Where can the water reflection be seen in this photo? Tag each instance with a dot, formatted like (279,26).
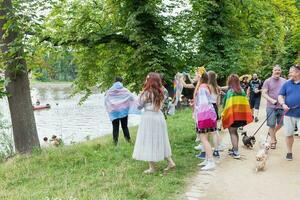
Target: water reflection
(67,119)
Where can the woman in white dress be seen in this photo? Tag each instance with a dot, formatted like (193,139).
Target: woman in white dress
(152,141)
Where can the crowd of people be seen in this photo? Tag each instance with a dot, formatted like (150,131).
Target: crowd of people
(240,99)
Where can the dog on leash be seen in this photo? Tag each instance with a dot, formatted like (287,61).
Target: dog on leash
(248,141)
(262,156)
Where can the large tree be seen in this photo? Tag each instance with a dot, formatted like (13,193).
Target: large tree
(19,99)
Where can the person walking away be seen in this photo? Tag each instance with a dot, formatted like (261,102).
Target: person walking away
(119,103)
(166,102)
(215,99)
(152,141)
(254,89)
(270,91)
(236,112)
(288,98)
(205,119)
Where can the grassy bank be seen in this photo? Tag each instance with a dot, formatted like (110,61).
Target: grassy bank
(98,170)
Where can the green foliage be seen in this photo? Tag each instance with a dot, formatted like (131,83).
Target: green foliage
(103,39)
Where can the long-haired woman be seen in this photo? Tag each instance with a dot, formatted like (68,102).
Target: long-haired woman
(236,112)
(205,118)
(215,99)
(152,142)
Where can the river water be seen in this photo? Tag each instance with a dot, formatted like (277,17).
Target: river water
(67,119)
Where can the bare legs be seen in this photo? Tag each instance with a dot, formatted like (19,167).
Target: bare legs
(207,146)
(152,169)
(289,143)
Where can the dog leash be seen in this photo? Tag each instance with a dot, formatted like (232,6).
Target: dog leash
(281,119)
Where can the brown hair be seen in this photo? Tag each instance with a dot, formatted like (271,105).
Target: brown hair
(212,82)
(153,87)
(233,83)
(203,79)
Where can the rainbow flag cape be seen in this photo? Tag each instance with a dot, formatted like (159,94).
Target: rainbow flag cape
(236,108)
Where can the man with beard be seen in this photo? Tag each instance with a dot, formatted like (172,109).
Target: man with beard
(270,91)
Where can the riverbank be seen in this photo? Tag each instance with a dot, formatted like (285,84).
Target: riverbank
(98,170)
(41,84)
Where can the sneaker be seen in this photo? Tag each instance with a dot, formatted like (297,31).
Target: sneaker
(289,156)
(202,155)
(202,164)
(216,154)
(296,134)
(235,154)
(256,119)
(221,147)
(209,166)
(199,147)
(230,151)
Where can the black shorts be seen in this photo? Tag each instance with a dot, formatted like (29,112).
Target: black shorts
(217,110)
(237,124)
(255,101)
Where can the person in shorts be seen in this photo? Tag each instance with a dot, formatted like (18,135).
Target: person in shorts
(270,91)
(289,96)
(254,90)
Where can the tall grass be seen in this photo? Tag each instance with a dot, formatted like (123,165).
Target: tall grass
(99,170)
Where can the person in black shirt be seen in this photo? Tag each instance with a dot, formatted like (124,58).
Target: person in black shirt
(254,92)
(244,83)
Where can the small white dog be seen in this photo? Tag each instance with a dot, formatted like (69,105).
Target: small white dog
(262,155)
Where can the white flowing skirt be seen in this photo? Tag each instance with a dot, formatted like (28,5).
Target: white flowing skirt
(152,141)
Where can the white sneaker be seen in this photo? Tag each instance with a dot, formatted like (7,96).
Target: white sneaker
(199,147)
(221,147)
(209,166)
(203,163)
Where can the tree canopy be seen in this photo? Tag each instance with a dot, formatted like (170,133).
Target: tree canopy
(97,40)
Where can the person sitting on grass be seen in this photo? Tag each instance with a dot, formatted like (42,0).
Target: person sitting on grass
(46,143)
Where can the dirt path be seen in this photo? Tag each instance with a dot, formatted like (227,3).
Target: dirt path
(237,179)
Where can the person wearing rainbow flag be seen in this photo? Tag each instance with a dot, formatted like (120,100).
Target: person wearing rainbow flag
(236,113)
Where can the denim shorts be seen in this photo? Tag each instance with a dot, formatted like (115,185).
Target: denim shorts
(275,117)
(255,102)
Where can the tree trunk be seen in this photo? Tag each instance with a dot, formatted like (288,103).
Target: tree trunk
(19,99)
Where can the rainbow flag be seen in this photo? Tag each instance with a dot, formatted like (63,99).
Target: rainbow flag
(236,108)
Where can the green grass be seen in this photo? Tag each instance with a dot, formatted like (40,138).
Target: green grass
(98,170)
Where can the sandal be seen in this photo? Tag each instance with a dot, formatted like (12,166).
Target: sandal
(273,145)
(169,167)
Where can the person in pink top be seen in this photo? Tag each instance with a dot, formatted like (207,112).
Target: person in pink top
(270,91)
(205,119)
